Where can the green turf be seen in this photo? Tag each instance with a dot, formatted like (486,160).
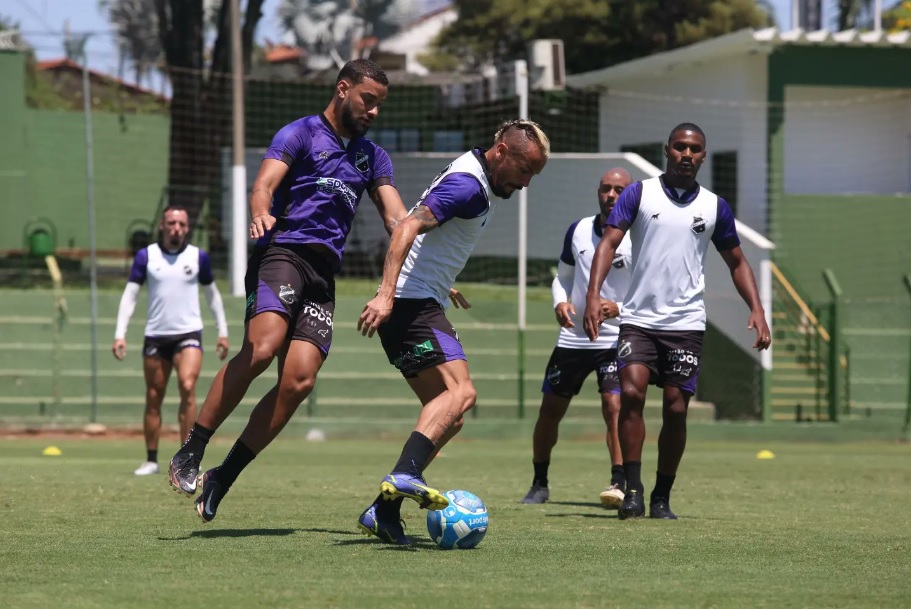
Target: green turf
(821,525)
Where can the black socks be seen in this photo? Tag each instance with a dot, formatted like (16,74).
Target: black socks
(197,439)
(152,455)
(633,471)
(239,458)
(415,455)
(540,473)
(663,484)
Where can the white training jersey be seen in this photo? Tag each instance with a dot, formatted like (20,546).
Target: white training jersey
(579,246)
(670,233)
(173,285)
(460,200)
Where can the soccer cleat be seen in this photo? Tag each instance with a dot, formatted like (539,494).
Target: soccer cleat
(386,529)
(146,469)
(612,497)
(183,472)
(537,494)
(400,484)
(212,493)
(632,507)
(660,507)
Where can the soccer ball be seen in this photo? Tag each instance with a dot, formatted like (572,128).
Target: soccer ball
(461,525)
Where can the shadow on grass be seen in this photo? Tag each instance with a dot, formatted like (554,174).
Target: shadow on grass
(578,504)
(603,514)
(216,533)
(416,544)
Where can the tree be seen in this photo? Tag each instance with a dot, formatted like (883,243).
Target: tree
(330,29)
(898,18)
(137,42)
(201,91)
(595,33)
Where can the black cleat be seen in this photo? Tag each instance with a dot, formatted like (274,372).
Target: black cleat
(183,472)
(632,507)
(661,508)
(213,492)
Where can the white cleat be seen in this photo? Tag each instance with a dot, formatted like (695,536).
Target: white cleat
(146,469)
(612,497)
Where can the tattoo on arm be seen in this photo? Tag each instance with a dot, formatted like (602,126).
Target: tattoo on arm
(426,218)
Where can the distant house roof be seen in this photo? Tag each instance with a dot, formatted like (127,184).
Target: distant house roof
(282,53)
(68,65)
(741,41)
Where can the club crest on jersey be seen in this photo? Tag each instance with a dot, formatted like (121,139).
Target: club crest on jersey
(618,262)
(324,155)
(286,293)
(362,162)
(187,269)
(698,225)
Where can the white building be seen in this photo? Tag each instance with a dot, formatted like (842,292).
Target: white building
(785,113)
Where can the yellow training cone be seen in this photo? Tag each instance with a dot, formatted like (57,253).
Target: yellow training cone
(52,451)
(765,454)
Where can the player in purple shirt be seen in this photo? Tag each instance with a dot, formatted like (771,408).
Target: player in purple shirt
(302,204)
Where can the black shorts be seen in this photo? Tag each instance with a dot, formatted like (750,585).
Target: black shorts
(671,356)
(417,336)
(166,346)
(568,368)
(298,283)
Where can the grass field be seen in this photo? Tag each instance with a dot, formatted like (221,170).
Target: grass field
(824,524)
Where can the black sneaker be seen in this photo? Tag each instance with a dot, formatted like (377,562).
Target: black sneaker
(661,508)
(183,472)
(632,507)
(213,492)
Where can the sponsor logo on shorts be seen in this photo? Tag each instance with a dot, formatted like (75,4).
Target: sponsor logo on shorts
(324,155)
(316,315)
(151,351)
(286,294)
(413,355)
(608,369)
(625,349)
(682,362)
(698,225)
(188,342)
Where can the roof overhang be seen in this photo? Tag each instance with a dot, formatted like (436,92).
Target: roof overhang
(741,42)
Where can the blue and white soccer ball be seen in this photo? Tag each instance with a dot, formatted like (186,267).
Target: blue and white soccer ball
(461,525)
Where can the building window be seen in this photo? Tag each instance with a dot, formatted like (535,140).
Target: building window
(724,177)
(653,153)
(448,141)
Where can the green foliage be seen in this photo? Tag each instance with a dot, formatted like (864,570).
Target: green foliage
(595,33)
(898,18)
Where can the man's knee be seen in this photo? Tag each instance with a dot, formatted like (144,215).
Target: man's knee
(675,408)
(297,388)
(467,396)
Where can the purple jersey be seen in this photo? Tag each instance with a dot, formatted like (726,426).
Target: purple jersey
(316,201)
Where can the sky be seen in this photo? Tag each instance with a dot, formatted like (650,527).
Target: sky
(42,23)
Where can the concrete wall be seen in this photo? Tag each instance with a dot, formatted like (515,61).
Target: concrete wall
(841,140)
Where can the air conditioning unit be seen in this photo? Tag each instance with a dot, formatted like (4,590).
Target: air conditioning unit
(510,79)
(546,66)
